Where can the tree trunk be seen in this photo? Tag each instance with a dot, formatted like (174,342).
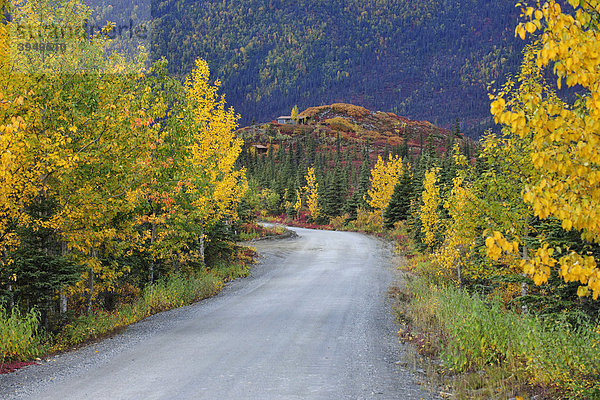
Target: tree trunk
(44,318)
(91,283)
(524,288)
(201,246)
(176,263)
(63,300)
(90,289)
(152,239)
(63,290)
(11,298)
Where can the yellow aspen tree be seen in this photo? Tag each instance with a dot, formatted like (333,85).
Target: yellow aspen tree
(461,231)
(312,193)
(298,203)
(86,159)
(485,201)
(384,177)
(295,113)
(508,169)
(216,149)
(429,210)
(212,186)
(564,135)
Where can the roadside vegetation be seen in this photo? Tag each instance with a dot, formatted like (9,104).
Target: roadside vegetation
(477,346)
(120,195)
(19,337)
(253,231)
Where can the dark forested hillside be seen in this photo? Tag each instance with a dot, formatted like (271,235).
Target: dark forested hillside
(427,59)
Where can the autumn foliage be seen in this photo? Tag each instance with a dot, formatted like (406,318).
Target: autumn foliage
(384,176)
(516,227)
(563,135)
(112,176)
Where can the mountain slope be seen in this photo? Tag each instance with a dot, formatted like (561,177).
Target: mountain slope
(415,58)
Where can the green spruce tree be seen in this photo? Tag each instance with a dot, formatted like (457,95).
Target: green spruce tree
(399,206)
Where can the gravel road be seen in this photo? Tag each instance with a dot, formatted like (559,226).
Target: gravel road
(312,322)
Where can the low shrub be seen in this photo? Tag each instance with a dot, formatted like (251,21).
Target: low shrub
(342,124)
(250,231)
(367,221)
(339,223)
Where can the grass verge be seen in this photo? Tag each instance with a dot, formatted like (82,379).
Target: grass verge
(488,352)
(176,291)
(20,339)
(254,231)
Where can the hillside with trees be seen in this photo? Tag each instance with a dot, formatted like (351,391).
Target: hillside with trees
(410,58)
(342,142)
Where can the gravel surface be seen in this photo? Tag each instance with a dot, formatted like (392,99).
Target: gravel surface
(311,322)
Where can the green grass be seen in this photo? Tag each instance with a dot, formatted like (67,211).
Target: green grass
(19,337)
(256,231)
(176,291)
(475,336)
(228,272)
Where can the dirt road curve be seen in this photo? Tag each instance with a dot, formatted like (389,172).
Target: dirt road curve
(311,323)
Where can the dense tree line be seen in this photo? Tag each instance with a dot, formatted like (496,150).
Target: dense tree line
(343,169)
(110,179)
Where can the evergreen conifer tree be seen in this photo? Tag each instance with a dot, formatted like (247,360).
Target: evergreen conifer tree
(399,205)
(364,182)
(39,265)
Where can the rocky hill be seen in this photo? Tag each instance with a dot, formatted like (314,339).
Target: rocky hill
(351,126)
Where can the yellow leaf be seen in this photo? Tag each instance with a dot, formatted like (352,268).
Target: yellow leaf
(583,291)
(530,27)
(520,31)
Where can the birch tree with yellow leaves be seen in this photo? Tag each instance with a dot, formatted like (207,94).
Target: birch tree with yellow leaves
(210,185)
(312,194)
(461,231)
(384,177)
(429,210)
(564,135)
(99,145)
(68,138)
